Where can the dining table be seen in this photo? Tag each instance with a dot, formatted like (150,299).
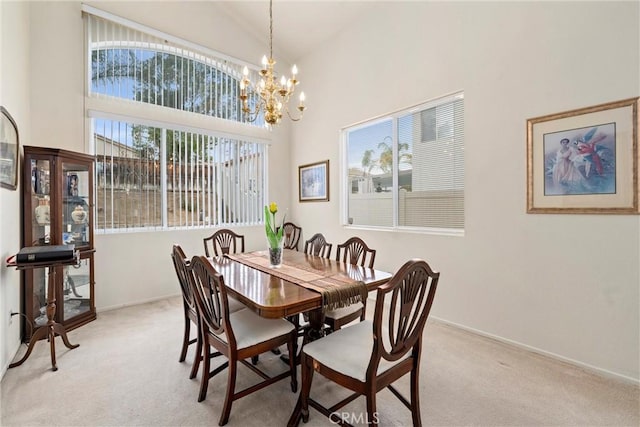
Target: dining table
(297,286)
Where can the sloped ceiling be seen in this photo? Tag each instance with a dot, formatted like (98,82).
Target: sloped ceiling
(298,26)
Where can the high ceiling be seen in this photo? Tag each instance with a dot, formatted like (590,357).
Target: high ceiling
(298,26)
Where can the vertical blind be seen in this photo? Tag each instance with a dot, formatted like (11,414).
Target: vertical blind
(131,64)
(192,180)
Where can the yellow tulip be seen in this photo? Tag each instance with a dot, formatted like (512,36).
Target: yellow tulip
(273,208)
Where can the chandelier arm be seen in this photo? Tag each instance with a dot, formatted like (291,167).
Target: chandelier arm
(252,115)
(293,119)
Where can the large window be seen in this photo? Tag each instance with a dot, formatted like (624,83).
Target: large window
(172,146)
(164,178)
(406,170)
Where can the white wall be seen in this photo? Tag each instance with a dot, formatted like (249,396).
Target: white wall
(567,285)
(14,94)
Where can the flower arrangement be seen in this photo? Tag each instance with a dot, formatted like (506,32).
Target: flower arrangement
(274,233)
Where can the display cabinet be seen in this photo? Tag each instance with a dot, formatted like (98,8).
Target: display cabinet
(57,203)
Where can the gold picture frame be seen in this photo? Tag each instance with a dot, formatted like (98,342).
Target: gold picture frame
(313,182)
(9,151)
(584,161)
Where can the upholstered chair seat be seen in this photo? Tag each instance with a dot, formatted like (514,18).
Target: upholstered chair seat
(251,329)
(355,346)
(343,312)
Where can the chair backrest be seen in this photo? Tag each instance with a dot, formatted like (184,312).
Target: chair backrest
(408,297)
(181,264)
(211,299)
(223,242)
(355,251)
(317,245)
(291,235)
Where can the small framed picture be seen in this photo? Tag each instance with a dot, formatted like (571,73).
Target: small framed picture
(584,161)
(313,182)
(72,185)
(9,154)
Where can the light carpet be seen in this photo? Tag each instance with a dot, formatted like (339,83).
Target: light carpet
(126,373)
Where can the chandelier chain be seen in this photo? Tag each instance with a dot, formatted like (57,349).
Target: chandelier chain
(270,28)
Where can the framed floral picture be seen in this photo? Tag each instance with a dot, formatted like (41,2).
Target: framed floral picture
(313,182)
(9,154)
(584,161)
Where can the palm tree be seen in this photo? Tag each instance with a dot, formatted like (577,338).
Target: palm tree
(156,80)
(367,161)
(385,162)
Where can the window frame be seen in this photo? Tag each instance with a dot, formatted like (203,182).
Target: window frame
(345,184)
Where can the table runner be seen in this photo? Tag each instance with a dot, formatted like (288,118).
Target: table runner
(337,290)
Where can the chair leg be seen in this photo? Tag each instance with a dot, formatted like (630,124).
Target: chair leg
(185,340)
(198,356)
(307,377)
(372,415)
(231,387)
(292,360)
(204,383)
(415,397)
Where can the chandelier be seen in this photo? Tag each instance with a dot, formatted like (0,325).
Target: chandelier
(271,97)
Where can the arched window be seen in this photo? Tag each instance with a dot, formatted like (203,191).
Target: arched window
(157,168)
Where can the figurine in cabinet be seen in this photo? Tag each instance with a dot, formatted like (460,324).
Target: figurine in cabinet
(43,211)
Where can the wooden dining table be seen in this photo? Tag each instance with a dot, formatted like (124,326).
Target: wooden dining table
(290,289)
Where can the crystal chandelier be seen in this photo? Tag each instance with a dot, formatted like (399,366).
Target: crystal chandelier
(272,97)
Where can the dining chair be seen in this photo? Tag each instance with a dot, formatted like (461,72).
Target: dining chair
(291,235)
(317,245)
(371,355)
(181,264)
(353,251)
(222,242)
(238,336)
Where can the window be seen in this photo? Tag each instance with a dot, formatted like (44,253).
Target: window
(407,170)
(158,168)
(207,181)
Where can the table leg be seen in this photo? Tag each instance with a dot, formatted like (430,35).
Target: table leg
(316,325)
(41,332)
(313,332)
(50,329)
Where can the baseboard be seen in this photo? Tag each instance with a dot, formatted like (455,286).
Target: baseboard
(586,366)
(17,344)
(131,304)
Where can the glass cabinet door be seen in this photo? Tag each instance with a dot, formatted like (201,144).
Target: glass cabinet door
(40,279)
(75,204)
(40,194)
(76,289)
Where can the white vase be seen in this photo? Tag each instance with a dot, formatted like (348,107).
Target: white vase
(79,215)
(42,214)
